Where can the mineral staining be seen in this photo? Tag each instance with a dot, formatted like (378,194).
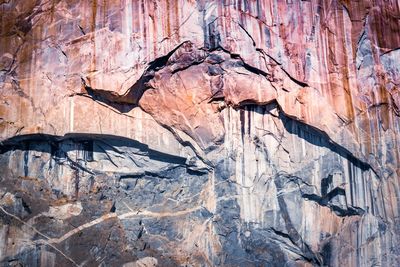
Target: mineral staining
(200,133)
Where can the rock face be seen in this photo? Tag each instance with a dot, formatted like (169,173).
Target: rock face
(199,133)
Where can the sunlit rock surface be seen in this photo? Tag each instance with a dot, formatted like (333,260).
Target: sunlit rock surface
(199,133)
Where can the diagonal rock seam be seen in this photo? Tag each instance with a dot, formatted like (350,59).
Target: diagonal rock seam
(124,216)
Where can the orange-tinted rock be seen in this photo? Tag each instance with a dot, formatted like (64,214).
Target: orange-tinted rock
(249,132)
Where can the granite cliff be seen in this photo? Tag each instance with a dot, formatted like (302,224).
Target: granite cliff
(199,133)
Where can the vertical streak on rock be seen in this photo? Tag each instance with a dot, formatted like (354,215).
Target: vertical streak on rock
(128,23)
(168,26)
(93,29)
(26,161)
(153,17)
(211,201)
(76,171)
(71,114)
(347,69)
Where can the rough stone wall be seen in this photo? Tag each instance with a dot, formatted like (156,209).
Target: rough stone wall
(199,133)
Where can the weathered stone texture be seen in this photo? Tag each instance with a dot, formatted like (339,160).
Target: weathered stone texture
(199,133)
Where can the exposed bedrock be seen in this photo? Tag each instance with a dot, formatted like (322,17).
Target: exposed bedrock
(199,133)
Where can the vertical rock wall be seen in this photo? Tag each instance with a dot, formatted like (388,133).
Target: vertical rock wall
(199,133)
